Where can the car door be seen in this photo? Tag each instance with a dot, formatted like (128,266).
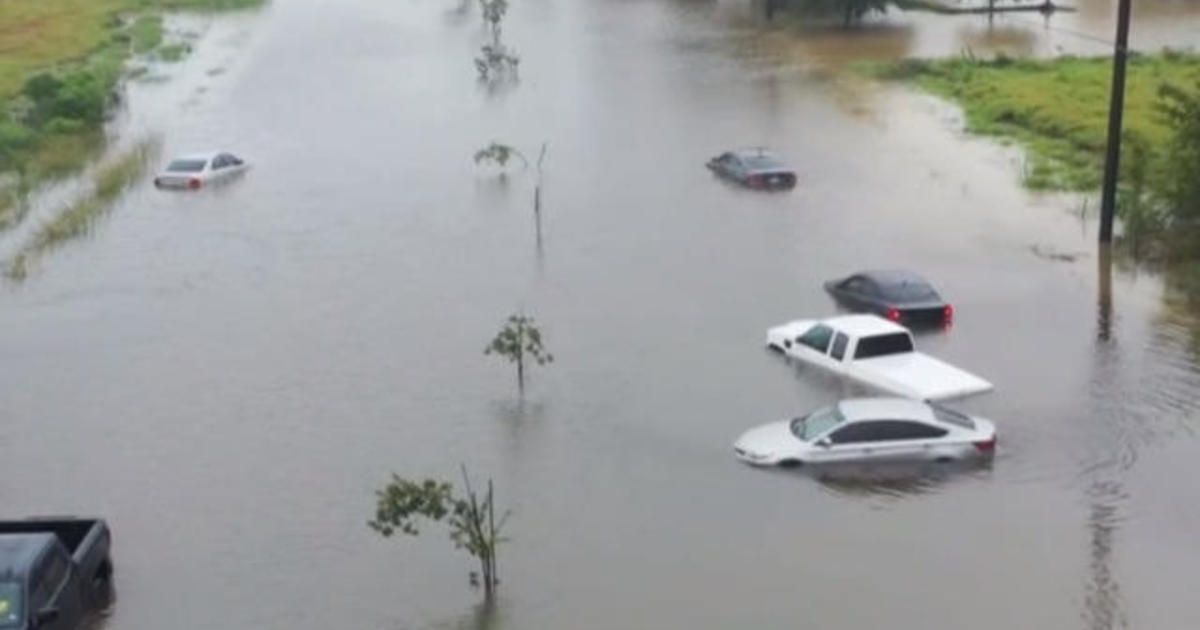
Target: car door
(858,293)
(850,442)
(735,168)
(892,440)
(813,347)
(51,588)
(220,166)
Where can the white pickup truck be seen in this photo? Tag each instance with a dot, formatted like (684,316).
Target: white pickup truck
(875,351)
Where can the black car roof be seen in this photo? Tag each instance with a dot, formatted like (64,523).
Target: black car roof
(19,551)
(893,277)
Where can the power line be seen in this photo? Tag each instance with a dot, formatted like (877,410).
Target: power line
(1058,29)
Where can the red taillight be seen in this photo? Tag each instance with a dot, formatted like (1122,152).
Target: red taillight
(986,446)
(893,314)
(755,180)
(194,183)
(948,313)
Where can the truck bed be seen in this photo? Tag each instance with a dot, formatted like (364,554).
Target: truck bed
(918,375)
(86,539)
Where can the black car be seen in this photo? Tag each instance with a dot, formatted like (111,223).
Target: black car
(754,168)
(901,296)
(55,574)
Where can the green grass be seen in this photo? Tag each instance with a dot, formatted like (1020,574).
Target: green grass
(174,52)
(109,181)
(1057,109)
(146,33)
(78,49)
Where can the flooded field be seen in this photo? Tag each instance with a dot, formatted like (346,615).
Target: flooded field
(228,376)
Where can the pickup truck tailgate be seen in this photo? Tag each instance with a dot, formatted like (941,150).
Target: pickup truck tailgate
(919,376)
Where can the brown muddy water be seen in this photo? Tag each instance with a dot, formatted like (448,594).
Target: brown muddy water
(227,376)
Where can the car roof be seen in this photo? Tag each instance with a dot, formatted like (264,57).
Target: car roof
(200,155)
(19,551)
(891,277)
(755,152)
(864,325)
(885,409)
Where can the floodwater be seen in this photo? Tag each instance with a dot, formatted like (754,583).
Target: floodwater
(227,376)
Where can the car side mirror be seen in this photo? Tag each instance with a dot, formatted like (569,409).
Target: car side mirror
(824,442)
(45,616)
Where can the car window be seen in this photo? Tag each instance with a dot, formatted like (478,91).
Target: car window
(909,430)
(859,285)
(950,416)
(817,338)
(857,432)
(910,292)
(53,573)
(885,431)
(839,346)
(763,161)
(186,166)
(883,345)
(11,610)
(815,424)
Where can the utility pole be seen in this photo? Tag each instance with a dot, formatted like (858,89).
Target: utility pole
(1112,160)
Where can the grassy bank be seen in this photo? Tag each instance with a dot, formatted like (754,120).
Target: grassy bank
(60,61)
(1056,109)
(108,182)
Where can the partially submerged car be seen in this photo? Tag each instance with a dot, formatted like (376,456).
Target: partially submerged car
(754,168)
(901,296)
(875,351)
(193,171)
(54,573)
(869,430)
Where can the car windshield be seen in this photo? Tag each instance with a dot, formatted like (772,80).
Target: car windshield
(10,605)
(762,160)
(815,424)
(910,292)
(187,166)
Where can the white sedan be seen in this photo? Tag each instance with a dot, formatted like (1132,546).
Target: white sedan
(867,430)
(199,169)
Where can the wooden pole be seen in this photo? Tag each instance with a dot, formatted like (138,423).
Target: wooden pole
(1112,159)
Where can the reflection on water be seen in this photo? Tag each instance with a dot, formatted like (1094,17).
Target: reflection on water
(1102,608)
(895,480)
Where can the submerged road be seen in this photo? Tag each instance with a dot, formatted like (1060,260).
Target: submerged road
(228,376)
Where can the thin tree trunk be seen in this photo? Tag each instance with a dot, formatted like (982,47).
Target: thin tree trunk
(521,371)
(491,540)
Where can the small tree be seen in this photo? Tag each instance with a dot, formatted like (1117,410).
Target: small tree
(519,339)
(499,154)
(496,58)
(1180,109)
(472,520)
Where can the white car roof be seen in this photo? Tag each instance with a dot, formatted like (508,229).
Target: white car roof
(885,409)
(864,325)
(200,155)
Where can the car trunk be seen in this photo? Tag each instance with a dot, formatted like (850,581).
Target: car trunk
(773,179)
(925,314)
(920,376)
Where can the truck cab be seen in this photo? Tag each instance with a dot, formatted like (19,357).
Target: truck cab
(53,573)
(874,351)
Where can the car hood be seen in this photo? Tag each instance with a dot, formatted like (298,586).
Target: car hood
(790,330)
(767,439)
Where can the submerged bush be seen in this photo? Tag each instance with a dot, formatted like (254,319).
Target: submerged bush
(78,95)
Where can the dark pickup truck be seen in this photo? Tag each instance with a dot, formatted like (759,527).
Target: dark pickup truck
(53,572)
